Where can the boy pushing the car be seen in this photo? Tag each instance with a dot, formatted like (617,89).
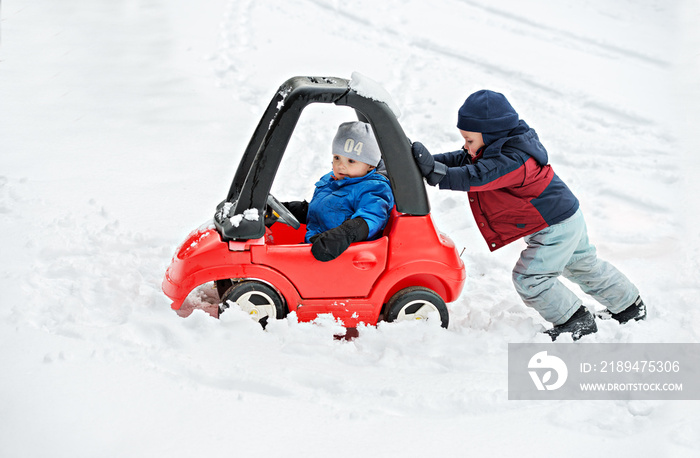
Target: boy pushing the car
(514,193)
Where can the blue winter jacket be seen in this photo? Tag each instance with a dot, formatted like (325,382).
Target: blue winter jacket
(513,192)
(336,201)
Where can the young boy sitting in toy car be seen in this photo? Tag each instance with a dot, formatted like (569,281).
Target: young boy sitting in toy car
(351,203)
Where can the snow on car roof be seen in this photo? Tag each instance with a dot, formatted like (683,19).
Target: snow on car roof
(369,88)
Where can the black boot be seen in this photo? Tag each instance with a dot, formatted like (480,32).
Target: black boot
(580,324)
(636,311)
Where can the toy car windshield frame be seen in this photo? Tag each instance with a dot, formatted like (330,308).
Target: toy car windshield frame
(258,166)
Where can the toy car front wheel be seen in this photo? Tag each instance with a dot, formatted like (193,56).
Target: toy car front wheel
(257,299)
(417,303)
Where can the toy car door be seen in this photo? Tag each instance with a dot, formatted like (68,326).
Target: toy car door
(352,274)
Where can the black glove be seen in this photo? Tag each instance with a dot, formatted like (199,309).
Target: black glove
(270,217)
(330,244)
(432,171)
(423,158)
(298,209)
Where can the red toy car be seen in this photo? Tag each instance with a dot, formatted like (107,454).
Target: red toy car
(408,273)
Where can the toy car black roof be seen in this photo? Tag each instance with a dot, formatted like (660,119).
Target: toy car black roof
(258,166)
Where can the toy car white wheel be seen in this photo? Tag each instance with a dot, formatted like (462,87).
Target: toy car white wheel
(257,299)
(417,303)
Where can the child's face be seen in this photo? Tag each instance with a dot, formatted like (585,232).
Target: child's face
(344,167)
(472,141)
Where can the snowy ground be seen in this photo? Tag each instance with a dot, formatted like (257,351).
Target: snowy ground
(122,122)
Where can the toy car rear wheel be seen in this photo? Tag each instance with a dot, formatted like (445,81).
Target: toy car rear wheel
(417,303)
(257,299)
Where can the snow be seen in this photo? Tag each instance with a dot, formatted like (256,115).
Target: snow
(369,88)
(250,215)
(121,126)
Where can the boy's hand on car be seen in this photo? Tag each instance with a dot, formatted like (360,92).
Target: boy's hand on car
(270,217)
(423,158)
(432,171)
(332,243)
(299,209)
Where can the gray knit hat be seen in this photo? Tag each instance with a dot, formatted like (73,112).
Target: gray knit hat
(355,140)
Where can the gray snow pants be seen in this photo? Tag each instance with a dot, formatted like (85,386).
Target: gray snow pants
(564,249)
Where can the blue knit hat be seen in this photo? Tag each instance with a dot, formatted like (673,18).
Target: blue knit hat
(486,112)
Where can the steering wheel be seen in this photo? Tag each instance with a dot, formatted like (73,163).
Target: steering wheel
(284,215)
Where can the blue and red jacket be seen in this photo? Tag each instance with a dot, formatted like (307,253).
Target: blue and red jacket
(512,190)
